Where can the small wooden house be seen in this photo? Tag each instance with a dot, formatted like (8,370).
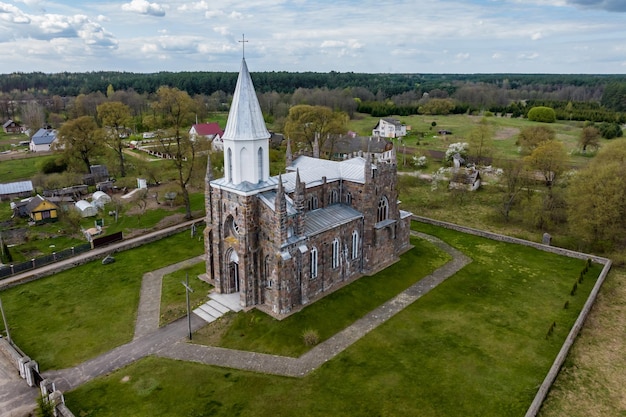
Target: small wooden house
(41,210)
(11,126)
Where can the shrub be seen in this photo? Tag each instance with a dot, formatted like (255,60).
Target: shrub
(310,337)
(542,114)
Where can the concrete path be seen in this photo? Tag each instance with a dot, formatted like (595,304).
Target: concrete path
(148,312)
(169,341)
(316,357)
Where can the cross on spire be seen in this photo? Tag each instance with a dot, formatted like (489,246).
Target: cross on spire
(243,42)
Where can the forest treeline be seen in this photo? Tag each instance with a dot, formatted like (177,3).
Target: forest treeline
(597,98)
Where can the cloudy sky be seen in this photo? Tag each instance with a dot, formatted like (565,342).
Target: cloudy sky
(415,36)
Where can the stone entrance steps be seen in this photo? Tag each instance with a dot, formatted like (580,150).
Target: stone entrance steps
(217,306)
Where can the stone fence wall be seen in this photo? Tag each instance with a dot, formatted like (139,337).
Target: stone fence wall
(29,370)
(542,392)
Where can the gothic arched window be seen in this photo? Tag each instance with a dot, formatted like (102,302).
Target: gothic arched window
(260,163)
(383,209)
(336,253)
(313,263)
(355,244)
(230,165)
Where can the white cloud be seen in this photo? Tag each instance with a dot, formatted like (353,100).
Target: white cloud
(12,14)
(144,7)
(536,36)
(200,5)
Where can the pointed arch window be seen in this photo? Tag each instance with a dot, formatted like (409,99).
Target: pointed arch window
(355,244)
(260,163)
(349,199)
(313,263)
(383,209)
(334,197)
(336,253)
(230,165)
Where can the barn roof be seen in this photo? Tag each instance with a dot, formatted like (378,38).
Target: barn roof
(16,187)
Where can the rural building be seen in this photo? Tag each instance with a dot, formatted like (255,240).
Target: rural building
(467,179)
(207,131)
(284,241)
(11,127)
(348,146)
(42,140)
(389,128)
(41,210)
(18,189)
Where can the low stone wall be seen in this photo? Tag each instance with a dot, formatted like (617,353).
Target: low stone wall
(542,392)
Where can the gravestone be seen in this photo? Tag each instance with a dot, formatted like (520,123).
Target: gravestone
(547,239)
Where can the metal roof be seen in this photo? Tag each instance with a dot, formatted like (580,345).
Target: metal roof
(269,198)
(312,171)
(321,220)
(245,119)
(16,187)
(44,137)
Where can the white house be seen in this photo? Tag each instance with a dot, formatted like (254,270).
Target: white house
(389,128)
(42,140)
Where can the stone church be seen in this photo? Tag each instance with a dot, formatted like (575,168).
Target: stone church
(284,241)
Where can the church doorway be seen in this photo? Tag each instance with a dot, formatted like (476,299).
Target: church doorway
(233,272)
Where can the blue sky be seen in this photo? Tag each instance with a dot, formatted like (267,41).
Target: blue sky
(400,36)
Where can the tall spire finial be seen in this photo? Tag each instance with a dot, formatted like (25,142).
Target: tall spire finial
(243,42)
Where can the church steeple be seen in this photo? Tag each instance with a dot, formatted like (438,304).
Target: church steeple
(246,145)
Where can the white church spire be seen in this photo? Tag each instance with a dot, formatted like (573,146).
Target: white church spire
(246,145)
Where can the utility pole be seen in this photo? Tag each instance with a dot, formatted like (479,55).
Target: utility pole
(187,289)
(4,319)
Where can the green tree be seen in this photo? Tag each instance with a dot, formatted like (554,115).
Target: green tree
(115,118)
(542,114)
(531,137)
(80,140)
(33,116)
(174,110)
(480,142)
(549,159)
(437,106)
(589,138)
(512,180)
(610,130)
(304,122)
(597,199)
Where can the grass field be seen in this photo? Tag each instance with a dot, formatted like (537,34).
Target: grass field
(475,346)
(259,332)
(173,298)
(67,318)
(22,169)
(425,137)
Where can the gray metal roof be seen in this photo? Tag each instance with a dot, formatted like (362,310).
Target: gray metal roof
(245,187)
(16,187)
(245,119)
(321,220)
(312,171)
(44,137)
(269,198)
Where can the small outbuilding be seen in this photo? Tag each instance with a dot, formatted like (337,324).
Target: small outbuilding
(17,189)
(85,208)
(41,210)
(100,199)
(468,179)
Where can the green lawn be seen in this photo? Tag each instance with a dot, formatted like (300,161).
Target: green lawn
(173,299)
(22,169)
(423,136)
(67,318)
(259,332)
(477,345)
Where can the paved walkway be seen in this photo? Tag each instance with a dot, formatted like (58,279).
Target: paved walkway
(170,341)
